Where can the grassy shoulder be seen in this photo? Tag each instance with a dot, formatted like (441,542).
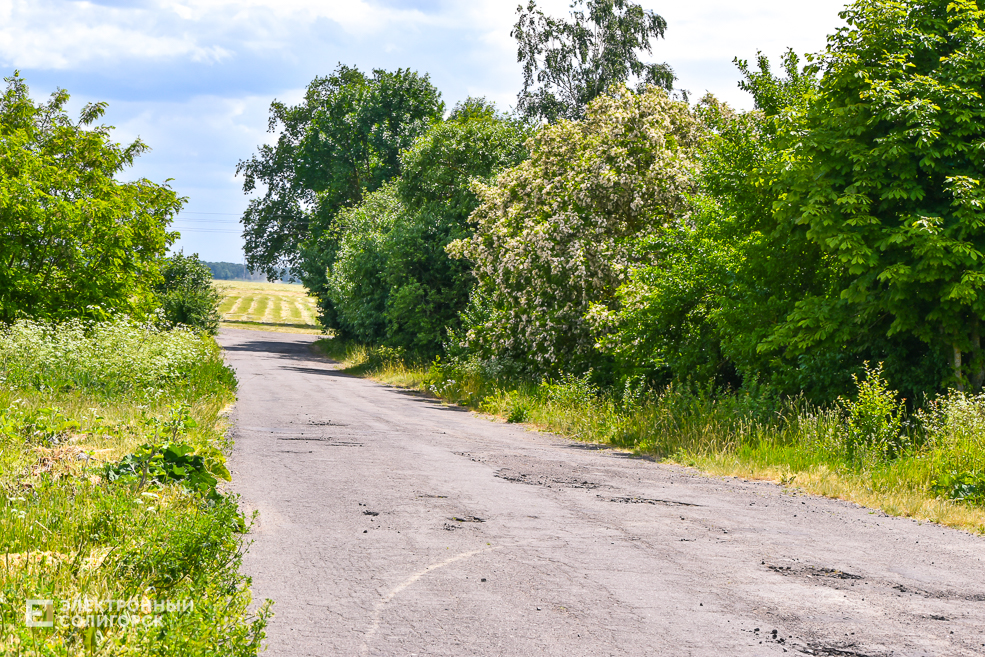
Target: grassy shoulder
(929,466)
(112,452)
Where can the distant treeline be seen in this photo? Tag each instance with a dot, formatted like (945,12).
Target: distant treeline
(231,271)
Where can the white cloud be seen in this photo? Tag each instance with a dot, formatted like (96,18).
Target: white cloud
(62,34)
(47,34)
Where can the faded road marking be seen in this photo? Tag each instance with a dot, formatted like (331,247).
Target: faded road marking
(378,612)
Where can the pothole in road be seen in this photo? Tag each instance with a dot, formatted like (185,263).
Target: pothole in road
(812,571)
(940,595)
(326,423)
(837,651)
(647,500)
(840,579)
(544,480)
(467,519)
(324,440)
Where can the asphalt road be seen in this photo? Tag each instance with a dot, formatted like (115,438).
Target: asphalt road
(391,524)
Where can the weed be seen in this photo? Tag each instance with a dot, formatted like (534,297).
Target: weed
(874,420)
(111,448)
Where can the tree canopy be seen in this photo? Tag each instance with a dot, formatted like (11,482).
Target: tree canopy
(342,142)
(640,237)
(74,240)
(568,63)
(886,177)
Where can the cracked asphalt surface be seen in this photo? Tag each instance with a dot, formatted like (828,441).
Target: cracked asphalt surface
(390,524)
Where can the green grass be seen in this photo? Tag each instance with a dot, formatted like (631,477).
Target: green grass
(267,307)
(929,466)
(75,399)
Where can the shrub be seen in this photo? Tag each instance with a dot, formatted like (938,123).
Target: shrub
(111,357)
(556,233)
(874,421)
(76,242)
(187,295)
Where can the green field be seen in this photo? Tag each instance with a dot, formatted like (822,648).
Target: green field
(267,307)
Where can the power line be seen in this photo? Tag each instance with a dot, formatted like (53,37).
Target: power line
(220,231)
(207,221)
(227,214)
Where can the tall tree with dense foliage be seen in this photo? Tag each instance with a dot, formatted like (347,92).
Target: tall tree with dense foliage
(887,178)
(557,234)
(568,63)
(711,297)
(705,293)
(393,282)
(342,142)
(74,240)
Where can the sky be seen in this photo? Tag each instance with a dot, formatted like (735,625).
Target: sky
(194,78)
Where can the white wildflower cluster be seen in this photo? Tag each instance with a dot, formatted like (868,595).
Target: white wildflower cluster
(556,234)
(953,419)
(120,354)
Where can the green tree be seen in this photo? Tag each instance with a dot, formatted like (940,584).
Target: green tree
(556,235)
(356,284)
(342,142)
(392,280)
(711,296)
(886,177)
(567,63)
(74,240)
(186,294)
(427,288)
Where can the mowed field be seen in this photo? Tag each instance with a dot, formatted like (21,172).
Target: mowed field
(267,307)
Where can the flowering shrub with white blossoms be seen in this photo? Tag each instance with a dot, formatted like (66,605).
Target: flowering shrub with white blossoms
(555,234)
(119,355)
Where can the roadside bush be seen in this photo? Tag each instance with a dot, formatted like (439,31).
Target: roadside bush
(77,242)
(113,357)
(187,295)
(357,284)
(874,420)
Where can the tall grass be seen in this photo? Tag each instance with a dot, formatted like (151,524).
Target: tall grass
(75,398)
(119,357)
(929,464)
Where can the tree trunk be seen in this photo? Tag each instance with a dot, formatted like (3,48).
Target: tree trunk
(977,364)
(956,367)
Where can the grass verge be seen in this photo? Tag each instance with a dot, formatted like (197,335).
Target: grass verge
(928,466)
(111,446)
